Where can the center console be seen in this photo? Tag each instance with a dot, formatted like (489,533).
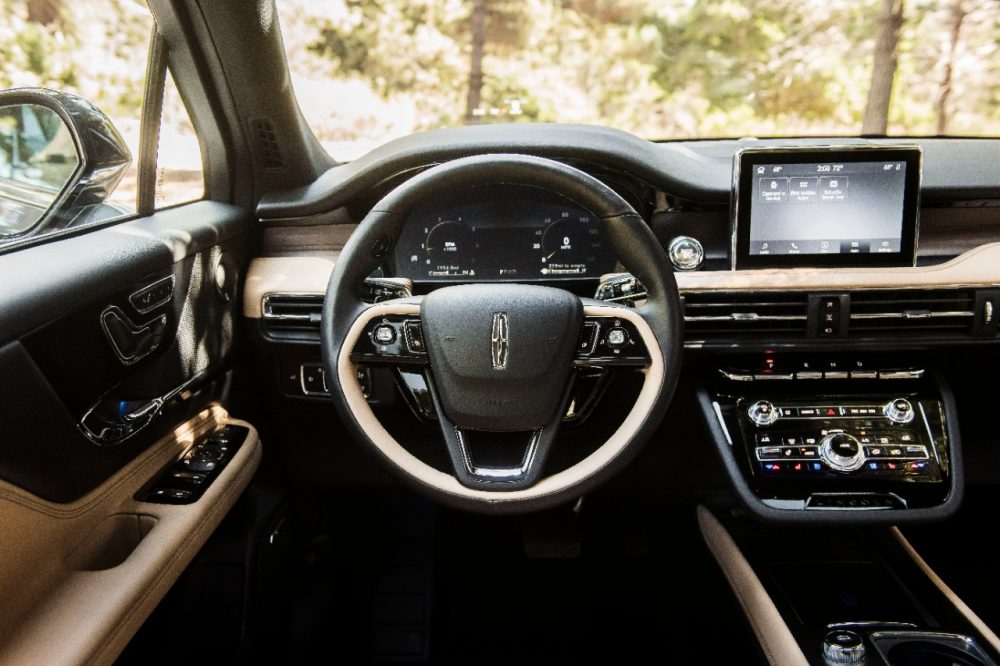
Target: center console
(840,595)
(835,436)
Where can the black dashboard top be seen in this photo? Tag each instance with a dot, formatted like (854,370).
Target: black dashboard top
(701,170)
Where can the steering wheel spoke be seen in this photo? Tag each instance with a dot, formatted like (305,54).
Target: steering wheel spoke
(499,461)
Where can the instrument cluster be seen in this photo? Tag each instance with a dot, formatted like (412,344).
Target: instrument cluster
(501,233)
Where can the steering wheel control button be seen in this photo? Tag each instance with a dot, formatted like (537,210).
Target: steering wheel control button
(842,452)
(842,647)
(588,338)
(384,334)
(617,338)
(899,411)
(763,413)
(414,337)
(686,253)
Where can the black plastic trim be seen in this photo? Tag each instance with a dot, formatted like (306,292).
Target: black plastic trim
(954,169)
(755,506)
(44,282)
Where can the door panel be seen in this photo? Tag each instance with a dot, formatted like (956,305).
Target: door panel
(78,579)
(95,407)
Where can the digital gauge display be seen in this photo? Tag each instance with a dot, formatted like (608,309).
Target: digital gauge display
(501,234)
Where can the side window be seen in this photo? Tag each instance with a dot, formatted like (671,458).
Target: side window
(67,73)
(179,173)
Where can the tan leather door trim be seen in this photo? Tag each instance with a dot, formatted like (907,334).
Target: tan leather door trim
(78,580)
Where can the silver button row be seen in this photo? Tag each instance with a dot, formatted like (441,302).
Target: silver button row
(741,376)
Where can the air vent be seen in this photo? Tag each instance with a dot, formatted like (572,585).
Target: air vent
(912,311)
(715,315)
(292,316)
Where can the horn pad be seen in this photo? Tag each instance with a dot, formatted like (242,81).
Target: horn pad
(501,354)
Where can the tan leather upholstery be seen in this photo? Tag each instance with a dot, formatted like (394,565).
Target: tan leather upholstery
(955,600)
(775,637)
(74,590)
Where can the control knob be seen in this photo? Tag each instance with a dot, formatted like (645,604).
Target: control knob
(899,410)
(842,452)
(762,413)
(843,647)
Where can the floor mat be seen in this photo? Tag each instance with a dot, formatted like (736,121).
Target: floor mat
(639,586)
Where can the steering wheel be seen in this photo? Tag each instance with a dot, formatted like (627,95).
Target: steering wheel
(499,358)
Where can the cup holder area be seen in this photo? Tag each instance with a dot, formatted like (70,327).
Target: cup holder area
(111,542)
(918,648)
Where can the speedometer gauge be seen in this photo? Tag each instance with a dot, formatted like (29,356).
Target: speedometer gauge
(570,245)
(450,249)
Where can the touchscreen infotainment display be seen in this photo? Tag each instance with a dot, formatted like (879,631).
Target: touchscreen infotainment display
(826,207)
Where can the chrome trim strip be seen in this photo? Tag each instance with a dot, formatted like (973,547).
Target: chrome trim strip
(912,314)
(854,508)
(745,316)
(969,645)
(722,422)
(500,473)
(268,314)
(149,411)
(930,433)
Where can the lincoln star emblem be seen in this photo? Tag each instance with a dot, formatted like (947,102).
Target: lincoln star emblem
(499,341)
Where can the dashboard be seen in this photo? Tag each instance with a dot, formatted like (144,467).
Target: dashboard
(505,233)
(823,321)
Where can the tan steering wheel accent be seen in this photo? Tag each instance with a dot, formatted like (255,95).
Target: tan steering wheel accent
(421,471)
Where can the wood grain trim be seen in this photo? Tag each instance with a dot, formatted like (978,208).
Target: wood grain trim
(976,268)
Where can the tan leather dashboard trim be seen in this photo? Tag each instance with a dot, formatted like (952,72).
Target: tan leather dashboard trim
(776,639)
(285,275)
(955,600)
(979,267)
(58,609)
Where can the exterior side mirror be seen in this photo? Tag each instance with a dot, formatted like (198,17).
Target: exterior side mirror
(60,158)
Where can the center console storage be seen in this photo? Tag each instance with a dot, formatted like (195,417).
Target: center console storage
(836,595)
(834,436)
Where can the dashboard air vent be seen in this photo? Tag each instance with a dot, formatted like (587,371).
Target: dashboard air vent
(292,316)
(917,311)
(715,315)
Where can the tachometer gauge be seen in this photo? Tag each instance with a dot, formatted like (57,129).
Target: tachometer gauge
(450,249)
(570,244)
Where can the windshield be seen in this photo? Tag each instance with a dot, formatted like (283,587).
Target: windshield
(367,71)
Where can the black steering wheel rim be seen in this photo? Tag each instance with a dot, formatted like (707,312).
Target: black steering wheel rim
(631,240)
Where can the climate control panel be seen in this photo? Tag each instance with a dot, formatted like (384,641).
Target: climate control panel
(887,449)
(877,439)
